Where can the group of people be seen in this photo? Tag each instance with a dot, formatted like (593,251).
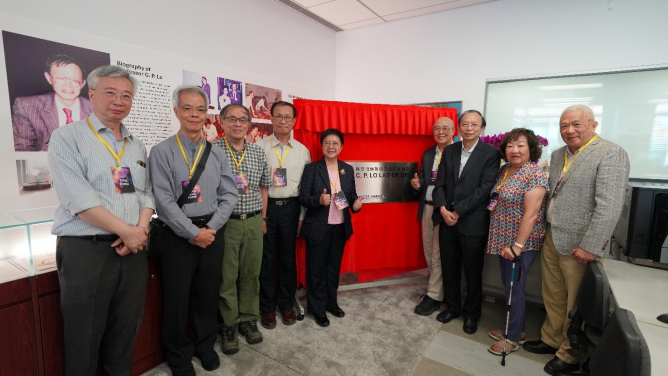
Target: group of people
(471,205)
(232,211)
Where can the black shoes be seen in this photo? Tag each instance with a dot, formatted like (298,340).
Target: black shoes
(427,306)
(558,366)
(539,347)
(210,361)
(470,326)
(321,320)
(337,312)
(446,316)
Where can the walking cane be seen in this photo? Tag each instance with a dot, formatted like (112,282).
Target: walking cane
(510,298)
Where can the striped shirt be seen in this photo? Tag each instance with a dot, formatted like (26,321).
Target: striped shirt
(254,165)
(80,166)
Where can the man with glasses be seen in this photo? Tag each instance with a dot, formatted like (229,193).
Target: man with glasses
(463,185)
(239,302)
(193,243)
(287,158)
(34,118)
(424,183)
(100,176)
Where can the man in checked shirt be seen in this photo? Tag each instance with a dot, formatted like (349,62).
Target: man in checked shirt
(244,232)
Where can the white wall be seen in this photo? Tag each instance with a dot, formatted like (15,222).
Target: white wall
(260,37)
(450,55)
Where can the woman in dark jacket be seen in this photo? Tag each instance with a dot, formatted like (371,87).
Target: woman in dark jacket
(327,191)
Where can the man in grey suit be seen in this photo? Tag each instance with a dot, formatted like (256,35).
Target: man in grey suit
(463,185)
(34,118)
(424,183)
(587,183)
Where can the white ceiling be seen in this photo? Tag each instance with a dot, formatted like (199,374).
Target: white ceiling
(342,15)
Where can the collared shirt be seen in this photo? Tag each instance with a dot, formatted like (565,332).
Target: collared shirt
(465,156)
(431,185)
(62,116)
(294,161)
(254,165)
(217,187)
(80,166)
(571,158)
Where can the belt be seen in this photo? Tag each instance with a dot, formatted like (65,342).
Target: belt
(97,238)
(429,203)
(202,220)
(245,216)
(282,201)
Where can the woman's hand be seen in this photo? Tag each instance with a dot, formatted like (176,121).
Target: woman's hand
(357,205)
(508,255)
(325,199)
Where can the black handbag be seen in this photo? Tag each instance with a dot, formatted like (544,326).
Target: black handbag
(157,229)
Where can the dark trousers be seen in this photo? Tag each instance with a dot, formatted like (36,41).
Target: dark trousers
(458,249)
(190,273)
(518,301)
(279,250)
(323,266)
(102,298)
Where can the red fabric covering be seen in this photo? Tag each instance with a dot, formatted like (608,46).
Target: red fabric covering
(387,237)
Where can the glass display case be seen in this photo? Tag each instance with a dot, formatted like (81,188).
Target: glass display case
(26,244)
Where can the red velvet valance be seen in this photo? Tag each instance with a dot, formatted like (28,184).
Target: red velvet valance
(387,236)
(362,118)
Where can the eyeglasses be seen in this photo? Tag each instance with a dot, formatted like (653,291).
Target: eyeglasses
(234,119)
(287,118)
(71,81)
(331,143)
(110,94)
(442,129)
(469,125)
(189,110)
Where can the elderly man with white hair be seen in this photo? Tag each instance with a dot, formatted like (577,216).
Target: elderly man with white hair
(100,176)
(587,183)
(195,214)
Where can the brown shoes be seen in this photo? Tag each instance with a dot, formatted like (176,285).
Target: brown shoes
(268,320)
(289,317)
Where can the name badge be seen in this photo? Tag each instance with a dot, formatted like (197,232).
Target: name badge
(432,180)
(280,177)
(122,179)
(242,183)
(340,200)
(195,195)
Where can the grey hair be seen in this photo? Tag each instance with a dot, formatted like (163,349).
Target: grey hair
(223,112)
(186,88)
(580,108)
(111,71)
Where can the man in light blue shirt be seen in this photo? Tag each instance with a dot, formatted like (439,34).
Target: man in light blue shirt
(101,178)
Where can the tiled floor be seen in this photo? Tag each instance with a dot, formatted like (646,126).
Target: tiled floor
(453,352)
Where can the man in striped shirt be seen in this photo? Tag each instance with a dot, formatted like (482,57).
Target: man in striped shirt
(100,175)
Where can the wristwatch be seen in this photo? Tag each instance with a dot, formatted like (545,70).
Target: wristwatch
(265,218)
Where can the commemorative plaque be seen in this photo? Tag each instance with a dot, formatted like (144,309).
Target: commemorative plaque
(382,182)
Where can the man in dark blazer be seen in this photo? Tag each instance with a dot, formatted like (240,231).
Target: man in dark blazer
(35,117)
(423,183)
(463,185)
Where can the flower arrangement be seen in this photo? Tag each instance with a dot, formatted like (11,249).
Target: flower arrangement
(495,140)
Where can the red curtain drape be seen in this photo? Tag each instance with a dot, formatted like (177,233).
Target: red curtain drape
(386,238)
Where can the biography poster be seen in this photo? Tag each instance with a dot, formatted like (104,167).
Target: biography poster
(46,87)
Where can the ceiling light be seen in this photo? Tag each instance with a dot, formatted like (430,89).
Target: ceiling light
(582,99)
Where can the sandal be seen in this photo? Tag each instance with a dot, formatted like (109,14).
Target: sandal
(511,347)
(497,334)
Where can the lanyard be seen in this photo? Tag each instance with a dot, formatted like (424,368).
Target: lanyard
(504,179)
(117,157)
(337,179)
(280,160)
(191,169)
(238,164)
(566,166)
(440,154)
